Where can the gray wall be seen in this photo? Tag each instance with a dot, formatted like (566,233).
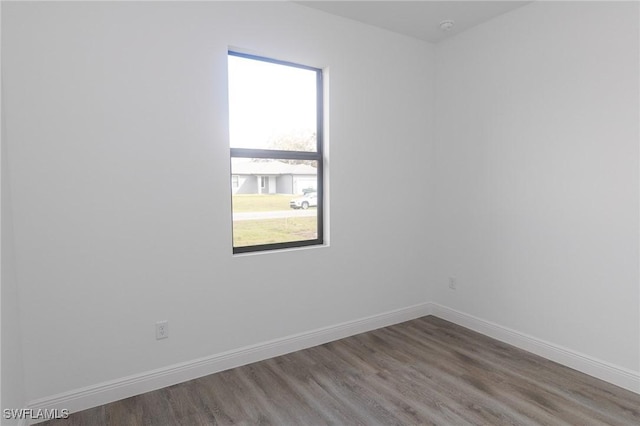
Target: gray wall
(247,185)
(284,184)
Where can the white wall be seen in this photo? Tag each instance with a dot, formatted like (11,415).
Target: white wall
(537,171)
(116,124)
(117,162)
(12,378)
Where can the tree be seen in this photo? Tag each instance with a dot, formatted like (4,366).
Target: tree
(301,140)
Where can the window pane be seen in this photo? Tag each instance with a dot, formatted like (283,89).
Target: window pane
(275,201)
(271,106)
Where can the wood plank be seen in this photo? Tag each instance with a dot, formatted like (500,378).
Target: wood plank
(427,371)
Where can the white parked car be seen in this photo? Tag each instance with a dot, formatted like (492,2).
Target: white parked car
(304,202)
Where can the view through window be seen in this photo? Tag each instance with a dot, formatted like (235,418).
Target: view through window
(275,125)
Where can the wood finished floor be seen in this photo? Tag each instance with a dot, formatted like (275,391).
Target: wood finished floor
(423,372)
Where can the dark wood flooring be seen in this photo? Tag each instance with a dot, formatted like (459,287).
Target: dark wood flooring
(423,372)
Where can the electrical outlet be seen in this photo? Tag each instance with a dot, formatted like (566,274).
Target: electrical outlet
(453,283)
(162,330)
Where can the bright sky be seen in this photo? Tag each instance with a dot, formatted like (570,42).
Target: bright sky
(267,100)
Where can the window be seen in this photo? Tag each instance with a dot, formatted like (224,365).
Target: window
(235,183)
(275,138)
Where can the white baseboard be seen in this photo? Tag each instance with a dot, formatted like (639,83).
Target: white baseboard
(106,392)
(616,375)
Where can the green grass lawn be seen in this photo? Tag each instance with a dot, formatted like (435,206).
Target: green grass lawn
(268,231)
(261,202)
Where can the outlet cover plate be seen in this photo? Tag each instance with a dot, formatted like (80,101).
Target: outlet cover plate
(162,330)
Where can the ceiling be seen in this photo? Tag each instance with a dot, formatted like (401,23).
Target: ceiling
(419,19)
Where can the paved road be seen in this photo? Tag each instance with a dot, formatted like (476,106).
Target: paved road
(280,214)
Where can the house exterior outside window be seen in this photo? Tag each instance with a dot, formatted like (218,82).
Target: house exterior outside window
(276,149)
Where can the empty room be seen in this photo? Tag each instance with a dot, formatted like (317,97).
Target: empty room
(310,213)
